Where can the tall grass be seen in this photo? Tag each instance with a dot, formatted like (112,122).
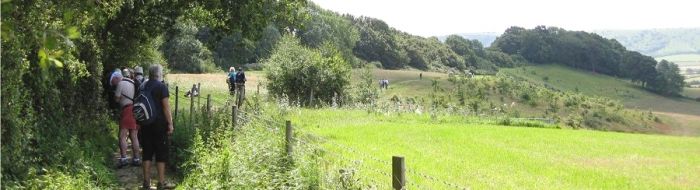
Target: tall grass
(214,155)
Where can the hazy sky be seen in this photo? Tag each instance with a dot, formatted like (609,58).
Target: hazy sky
(440,17)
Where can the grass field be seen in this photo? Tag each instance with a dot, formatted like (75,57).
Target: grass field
(481,156)
(683,60)
(691,92)
(631,95)
(212,83)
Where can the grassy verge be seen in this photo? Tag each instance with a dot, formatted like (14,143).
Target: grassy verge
(484,156)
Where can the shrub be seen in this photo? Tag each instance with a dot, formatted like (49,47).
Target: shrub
(304,74)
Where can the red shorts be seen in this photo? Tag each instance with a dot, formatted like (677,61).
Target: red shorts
(127,120)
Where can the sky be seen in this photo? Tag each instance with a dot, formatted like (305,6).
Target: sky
(442,17)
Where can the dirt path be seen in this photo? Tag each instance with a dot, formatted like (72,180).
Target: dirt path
(130,177)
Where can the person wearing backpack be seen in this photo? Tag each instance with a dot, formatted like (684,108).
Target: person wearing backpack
(240,85)
(124,94)
(156,125)
(138,79)
(231,80)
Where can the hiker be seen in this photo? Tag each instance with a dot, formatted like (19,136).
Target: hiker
(154,137)
(124,94)
(421,76)
(383,84)
(231,80)
(111,86)
(193,92)
(240,86)
(139,76)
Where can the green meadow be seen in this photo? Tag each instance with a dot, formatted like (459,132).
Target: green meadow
(451,152)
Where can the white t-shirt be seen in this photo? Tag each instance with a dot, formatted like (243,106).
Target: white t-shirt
(125,88)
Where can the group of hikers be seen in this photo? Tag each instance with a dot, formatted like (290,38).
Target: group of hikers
(144,117)
(236,83)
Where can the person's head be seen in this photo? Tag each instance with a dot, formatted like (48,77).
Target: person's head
(155,72)
(138,70)
(115,77)
(231,69)
(126,73)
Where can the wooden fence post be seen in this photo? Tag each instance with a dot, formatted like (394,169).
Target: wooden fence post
(199,95)
(398,168)
(208,106)
(177,92)
(288,136)
(191,109)
(234,114)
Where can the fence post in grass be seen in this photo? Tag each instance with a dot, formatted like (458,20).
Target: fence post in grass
(234,114)
(199,97)
(208,106)
(177,92)
(288,137)
(398,171)
(191,109)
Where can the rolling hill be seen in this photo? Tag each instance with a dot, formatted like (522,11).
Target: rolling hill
(658,42)
(681,112)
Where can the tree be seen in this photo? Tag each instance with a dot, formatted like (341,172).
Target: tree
(305,75)
(378,43)
(266,43)
(184,52)
(588,51)
(668,81)
(326,26)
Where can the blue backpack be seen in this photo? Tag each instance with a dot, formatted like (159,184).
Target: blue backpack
(145,107)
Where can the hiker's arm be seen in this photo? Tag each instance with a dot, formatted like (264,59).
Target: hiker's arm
(117,94)
(168,117)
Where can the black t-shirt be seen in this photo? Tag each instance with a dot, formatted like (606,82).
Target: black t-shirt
(159,91)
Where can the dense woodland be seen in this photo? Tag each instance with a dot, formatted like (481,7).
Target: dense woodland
(591,52)
(56,56)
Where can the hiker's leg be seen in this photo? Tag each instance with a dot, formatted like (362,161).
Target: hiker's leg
(122,141)
(161,172)
(147,171)
(135,146)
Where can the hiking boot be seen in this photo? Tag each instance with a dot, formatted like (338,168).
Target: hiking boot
(121,163)
(165,185)
(136,162)
(146,185)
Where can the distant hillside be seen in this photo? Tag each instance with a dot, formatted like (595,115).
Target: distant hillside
(658,42)
(486,38)
(682,114)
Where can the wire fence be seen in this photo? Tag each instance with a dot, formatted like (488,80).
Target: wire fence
(243,117)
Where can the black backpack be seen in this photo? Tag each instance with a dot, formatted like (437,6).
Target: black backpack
(240,77)
(145,107)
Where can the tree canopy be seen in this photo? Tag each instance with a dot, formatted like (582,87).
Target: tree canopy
(588,51)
